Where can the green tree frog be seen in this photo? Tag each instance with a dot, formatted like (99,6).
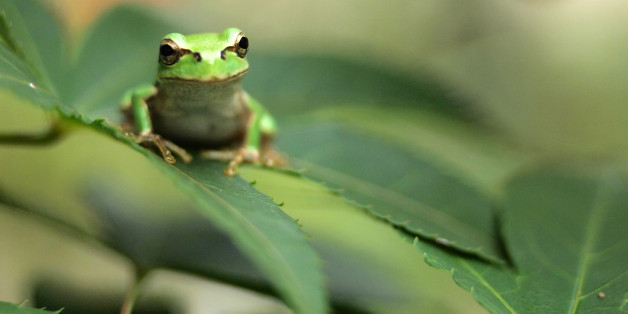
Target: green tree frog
(198,102)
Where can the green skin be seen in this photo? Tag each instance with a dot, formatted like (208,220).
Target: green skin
(198,101)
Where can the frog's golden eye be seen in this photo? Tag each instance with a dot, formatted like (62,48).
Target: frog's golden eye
(169,52)
(241,45)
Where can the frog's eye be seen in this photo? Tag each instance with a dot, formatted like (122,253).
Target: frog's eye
(168,52)
(241,45)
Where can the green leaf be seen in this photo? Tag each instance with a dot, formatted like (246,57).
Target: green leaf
(303,83)
(33,35)
(260,229)
(403,188)
(568,242)
(9,308)
(460,148)
(118,53)
(334,126)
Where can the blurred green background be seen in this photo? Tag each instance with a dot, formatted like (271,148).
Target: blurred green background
(549,74)
(546,77)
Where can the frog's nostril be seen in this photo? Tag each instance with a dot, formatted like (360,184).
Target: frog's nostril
(197,56)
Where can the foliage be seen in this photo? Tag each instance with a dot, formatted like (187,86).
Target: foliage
(521,237)
(9,308)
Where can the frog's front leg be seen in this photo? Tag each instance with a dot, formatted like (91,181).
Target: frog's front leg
(250,150)
(135,100)
(256,147)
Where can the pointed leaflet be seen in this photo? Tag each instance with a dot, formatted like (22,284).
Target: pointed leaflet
(9,308)
(405,189)
(257,226)
(567,237)
(269,237)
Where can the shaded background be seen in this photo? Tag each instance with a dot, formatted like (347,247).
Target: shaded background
(547,76)
(550,74)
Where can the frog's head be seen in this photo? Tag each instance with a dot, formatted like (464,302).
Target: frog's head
(209,57)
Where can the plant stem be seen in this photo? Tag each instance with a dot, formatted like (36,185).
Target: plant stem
(133,292)
(43,138)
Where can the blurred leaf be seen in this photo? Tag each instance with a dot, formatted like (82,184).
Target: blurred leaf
(259,228)
(119,52)
(404,189)
(271,239)
(21,70)
(568,241)
(462,149)
(8,308)
(309,82)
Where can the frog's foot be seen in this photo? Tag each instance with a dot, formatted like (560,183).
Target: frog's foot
(221,155)
(242,155)
(268,157)
(272,158)
(234,157)
(164,146)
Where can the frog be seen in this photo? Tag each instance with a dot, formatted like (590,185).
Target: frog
(198,102)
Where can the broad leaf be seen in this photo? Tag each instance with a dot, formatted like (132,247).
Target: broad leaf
(9,308)
(119,52)
(21,70)
(303,83)
(403,188)
(568,241)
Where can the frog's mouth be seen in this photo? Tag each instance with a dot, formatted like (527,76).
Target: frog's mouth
(209,80)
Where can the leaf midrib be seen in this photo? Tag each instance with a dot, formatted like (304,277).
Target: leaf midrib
(486,284)
(599,205)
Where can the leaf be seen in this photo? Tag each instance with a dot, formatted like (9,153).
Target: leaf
(462,149)
(9,308)
(334,121)
(567,238)
(267,236)
(118,53)
(260,229)
(359,251)
(405,189)
(488,283)
(34,36)
(303,83)
(16,73)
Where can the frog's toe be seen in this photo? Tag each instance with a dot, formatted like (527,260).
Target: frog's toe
(272,158)
(178,151)
(251,155)
(222,155)
(165,147)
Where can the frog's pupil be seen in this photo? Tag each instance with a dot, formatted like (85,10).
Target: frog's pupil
(166,50)
(244,43)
